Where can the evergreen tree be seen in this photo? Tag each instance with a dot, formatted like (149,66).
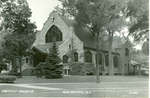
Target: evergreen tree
(52,68)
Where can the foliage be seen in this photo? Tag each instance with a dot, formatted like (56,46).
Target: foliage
(2,66)
(51,69)
(94,14)
(145,47)
(82,69)
(97,16)
(7,79)
(20,31)
(39,71)
(138,12)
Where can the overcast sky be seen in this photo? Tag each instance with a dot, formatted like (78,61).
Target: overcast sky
(41,10)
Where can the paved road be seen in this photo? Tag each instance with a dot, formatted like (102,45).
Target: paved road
(129,87)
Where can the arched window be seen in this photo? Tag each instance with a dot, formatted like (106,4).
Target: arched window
(126,52)
(76,57)
(53,34)
(106,60)
(88,57)
(115,61)
(65,59)
(99,59)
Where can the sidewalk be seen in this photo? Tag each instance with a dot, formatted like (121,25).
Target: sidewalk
(82,79)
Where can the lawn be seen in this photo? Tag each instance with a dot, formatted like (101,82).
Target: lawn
(78,86)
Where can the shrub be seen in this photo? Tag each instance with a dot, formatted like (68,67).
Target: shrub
(52,71)
(7,79)
(12,73)
(39,69)
(2,66)
(28,72)
(82,69)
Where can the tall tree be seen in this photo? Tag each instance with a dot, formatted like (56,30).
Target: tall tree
(138,11)
(97,16)
(21,31)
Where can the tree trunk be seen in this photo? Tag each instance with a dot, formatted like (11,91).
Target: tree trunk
(110,53)
(104,64)
(97,60)
(20,65)
(14,65)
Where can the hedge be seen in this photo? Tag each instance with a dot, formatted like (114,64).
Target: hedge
(7,79)
(82,69)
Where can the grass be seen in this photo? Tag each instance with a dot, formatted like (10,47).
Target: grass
(81,79)
(110,86)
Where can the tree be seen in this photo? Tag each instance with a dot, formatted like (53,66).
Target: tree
(52,68)
(138,11)
(97,16)
(20,31)
(145,47)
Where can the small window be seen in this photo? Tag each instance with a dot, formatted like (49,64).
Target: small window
(76,57)
(65,59)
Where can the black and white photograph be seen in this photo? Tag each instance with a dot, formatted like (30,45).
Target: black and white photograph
(74,48)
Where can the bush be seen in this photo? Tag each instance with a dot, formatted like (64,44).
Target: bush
(28,72)
(2,66)
(52,71)
(82,69)
(7,79)
(48,71)
(39,70)
(12,73)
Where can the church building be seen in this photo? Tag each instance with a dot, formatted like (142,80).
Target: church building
(60,29)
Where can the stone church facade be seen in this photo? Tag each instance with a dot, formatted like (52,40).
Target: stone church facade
(60,29)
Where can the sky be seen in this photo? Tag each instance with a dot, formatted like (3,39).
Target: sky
(41,10)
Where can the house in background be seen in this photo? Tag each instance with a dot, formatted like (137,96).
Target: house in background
(60,29)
